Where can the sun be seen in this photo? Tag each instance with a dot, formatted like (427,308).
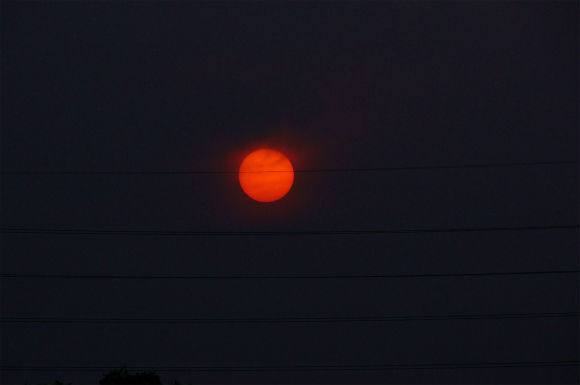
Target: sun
(266,175)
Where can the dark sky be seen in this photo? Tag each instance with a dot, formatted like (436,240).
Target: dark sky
(196,86)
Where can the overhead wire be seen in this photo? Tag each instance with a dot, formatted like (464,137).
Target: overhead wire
(303,232)
(292,368)
(196,277)
(283,320)
(359,169)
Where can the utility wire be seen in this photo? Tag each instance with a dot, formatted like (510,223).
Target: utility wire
(282,320)
(305,232)
(404,168)
(88,276)
(293,368)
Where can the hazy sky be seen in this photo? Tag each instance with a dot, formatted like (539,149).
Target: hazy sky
(196,86)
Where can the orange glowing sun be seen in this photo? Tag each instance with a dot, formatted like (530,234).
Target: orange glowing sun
(266,175)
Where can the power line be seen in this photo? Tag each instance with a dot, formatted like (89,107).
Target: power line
(86,276)
(293,368)
(283,320)
(305,232)
(404,168)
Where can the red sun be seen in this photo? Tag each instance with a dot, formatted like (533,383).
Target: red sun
(266,175)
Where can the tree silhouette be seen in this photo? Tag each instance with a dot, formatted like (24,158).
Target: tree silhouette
(122,376)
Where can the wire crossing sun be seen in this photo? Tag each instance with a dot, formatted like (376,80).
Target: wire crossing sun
(266,175)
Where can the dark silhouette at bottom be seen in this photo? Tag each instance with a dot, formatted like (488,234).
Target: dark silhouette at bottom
(122,376)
